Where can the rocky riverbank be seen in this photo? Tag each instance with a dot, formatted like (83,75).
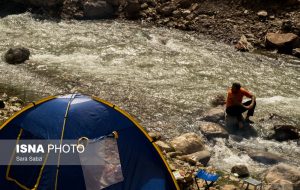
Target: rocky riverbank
(271,25)
(190,152)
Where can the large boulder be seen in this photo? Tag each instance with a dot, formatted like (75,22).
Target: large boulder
(213,130)
(283,175)
(241,170)
(215,115)
(188,143)
(265,157)
(132,9)
(201,156)
(17,55)
(283,42)
(285,132)
(97,9)
(40,3)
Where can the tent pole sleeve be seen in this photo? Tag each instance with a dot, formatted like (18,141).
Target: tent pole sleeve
(61,139)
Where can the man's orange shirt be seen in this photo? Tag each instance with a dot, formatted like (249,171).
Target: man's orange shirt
(238,96)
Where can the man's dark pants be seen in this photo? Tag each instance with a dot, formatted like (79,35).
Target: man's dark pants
(238,110)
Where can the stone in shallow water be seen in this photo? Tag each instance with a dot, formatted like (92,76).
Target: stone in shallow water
(215,115)
(17,55)
(265,157)
(285,132)
(213,130)
(97,9)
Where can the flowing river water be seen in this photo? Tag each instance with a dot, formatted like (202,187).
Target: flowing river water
(164,78)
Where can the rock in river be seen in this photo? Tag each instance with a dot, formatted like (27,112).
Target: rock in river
(97,9)
(285,132)
(283,175)
(17,55)
(265,157)
(283,42)
(213,130)
(214,115)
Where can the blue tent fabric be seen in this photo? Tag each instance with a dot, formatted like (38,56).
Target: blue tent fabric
(142,166)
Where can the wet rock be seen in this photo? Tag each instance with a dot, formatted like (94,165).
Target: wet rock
(218,100)
(262,14)
(243,44)
(213,130)
(72,9)
(265,157)
(202,156)
(236,138)
(283,174)
(241,170)
(155,136)
(296,52)
(188,143)
(17,55)
(285,132)
(2,104)
(40,3)
(214,115)
(97,9)
(164,146)
(283,42)
(132,9)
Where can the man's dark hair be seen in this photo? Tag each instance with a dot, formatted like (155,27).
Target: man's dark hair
(236,85)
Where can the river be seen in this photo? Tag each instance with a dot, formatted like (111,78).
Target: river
(163,77)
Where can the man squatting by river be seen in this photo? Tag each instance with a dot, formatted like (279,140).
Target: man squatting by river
(234,105)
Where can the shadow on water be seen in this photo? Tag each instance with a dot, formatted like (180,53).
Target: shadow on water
(247,131)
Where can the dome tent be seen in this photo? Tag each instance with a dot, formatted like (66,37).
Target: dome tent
(76,116)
